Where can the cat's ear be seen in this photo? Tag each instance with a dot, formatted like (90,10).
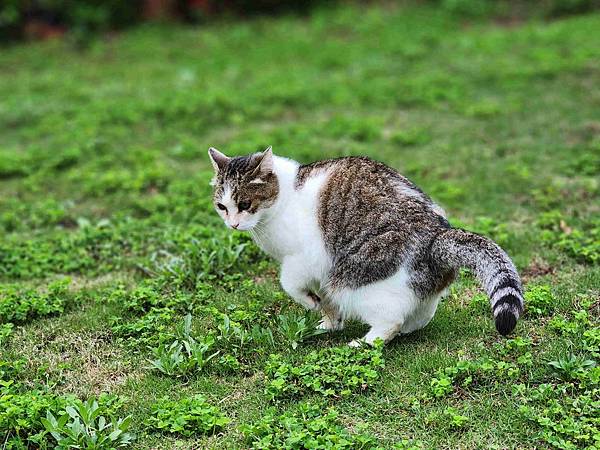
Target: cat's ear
(218,159)
(264,167)
(266,163)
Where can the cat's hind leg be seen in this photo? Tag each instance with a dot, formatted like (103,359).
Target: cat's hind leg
(422,315)
(384,305)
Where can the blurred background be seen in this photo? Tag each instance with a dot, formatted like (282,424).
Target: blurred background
(107,107)
(21,19)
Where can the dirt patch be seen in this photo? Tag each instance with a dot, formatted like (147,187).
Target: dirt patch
(79,283)
(83,363)
(537,268)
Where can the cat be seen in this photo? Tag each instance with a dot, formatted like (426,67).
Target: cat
(356,239)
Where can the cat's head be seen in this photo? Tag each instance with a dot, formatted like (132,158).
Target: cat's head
(244,187)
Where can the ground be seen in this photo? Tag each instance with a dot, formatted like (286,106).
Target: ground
(109,238)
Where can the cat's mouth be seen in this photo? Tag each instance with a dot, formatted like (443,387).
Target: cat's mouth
(241,226)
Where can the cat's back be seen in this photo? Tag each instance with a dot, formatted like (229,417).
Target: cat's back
(358,183)
(368,210)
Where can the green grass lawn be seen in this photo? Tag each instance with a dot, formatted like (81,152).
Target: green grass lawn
(108,238)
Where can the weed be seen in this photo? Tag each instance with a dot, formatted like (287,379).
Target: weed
(17,306)
(441,385)
(262,337)
(581,244)
(145,331)
(5,332)
(481,372)
(23,414)
(309,425)
(337,371)
(565,415)
(539,300)
(84,426)
(570,367)
(519,348)
(582,329)
(171,360)
(297,328)
(455,420)
(207,260)
(407,444)
(185,355)
(188,416)
(17,215)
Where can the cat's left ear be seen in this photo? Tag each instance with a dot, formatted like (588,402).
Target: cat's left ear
(264,167)
(219,162)
(218,159)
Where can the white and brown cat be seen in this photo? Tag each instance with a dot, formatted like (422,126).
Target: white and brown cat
(356,239)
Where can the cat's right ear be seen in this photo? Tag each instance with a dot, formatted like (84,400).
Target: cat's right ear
(218,159)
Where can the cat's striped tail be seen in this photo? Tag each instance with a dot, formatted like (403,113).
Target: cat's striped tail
(454,248)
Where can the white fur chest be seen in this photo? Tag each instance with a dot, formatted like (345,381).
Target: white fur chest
(293,228)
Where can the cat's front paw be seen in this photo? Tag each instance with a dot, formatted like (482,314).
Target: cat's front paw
(325,324)
(356,343)
(316,301)
(310,301)
(330,325)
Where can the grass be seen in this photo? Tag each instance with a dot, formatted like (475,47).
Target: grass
(109,240)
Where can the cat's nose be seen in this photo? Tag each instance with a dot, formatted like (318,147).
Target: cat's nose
(235,225)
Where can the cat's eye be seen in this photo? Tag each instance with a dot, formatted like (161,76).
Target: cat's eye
(221,206)
(242,206)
